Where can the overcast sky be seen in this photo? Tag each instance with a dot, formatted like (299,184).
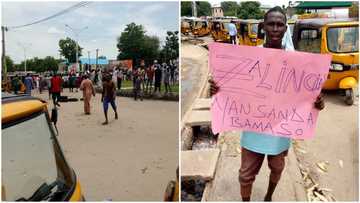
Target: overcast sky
(105,21)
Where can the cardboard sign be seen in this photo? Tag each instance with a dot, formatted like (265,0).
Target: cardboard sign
(270,91)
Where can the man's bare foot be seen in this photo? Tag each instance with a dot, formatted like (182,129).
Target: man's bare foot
(105,123)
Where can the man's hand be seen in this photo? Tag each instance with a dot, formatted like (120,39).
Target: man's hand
(213,87)
(319,103)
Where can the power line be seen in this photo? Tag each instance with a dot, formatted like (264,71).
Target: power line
(76,6)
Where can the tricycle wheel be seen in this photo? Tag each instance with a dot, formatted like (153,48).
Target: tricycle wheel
(349,97)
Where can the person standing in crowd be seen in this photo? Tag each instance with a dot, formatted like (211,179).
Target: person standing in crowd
(150,78)
(119,78)
(48,83)
(29,84)
(56,88)
(137,88)
(167,74)
(158,76)
(15,84)
(41,84)
(37,82)
(78,81)
(71,82)
(88,89)
(172,72)
(232,32)
(108,96)
(114,76)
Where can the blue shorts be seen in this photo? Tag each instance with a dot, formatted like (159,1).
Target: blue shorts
(106,103)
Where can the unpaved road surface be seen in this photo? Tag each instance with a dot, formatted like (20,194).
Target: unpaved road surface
(131,159)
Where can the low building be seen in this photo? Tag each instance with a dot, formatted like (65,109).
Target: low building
(92,62)
(332,9)
(217,11)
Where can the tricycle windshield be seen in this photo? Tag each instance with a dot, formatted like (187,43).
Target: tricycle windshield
(343,39)
(31,157)
(254,29)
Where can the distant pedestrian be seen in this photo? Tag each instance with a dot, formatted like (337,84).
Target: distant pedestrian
(15,84)
(158,77)
(108,96)
(88,89)
(29,84)
(37,82)
(78,82)
(167,74)
(56,88)
(72,79)
(114,76)
(150,78)
(172,73)
(232,32)
(119,78)
(48,83)
(138,77)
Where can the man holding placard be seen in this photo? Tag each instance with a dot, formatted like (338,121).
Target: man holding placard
(265,133)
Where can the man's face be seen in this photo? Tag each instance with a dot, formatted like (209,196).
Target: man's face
(275,28)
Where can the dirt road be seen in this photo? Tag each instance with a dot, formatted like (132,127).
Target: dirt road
(335,146)
(132,158)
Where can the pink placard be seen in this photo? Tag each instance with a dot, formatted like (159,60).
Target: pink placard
(264,90)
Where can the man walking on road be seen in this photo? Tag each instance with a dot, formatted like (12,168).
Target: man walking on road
(56,83)
(232,32)
(88,89)
(108,96)
(255,146)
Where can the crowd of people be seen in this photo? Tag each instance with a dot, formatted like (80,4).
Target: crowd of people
(144,80)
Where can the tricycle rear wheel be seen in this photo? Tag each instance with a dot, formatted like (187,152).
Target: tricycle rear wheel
(349,96)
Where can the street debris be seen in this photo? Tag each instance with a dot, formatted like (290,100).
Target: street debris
(341,163)
(323,166)
(144,170)
(314,192)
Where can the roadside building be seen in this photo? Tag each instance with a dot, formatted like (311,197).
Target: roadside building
(217,11)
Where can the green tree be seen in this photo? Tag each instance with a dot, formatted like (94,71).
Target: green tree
(151,48)
(171,49)
(134,44)
(9,64)
(186,9)
(203,8)
(68,49)
(231,8)
(250,10)
(49,63)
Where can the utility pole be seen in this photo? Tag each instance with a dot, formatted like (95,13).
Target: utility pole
(89,60)
(194,9)
(24,47)
(3,60)
(97,54)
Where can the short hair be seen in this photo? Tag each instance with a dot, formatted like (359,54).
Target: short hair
(275,9)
